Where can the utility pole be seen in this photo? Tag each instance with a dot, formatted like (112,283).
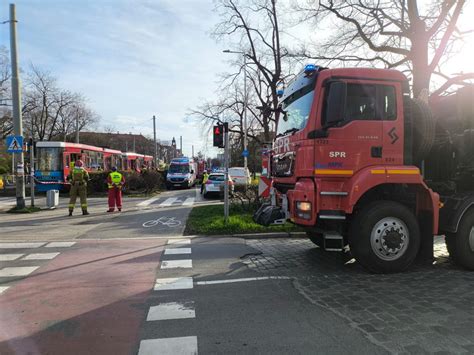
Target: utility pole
(181,144)
(32,172)
(245,111)
(77,129)
(226,169)
(154,139)
(17,118)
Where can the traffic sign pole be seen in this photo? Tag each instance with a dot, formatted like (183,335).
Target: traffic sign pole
(16,101)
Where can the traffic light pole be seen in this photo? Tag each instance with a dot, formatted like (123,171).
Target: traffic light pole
(226,167)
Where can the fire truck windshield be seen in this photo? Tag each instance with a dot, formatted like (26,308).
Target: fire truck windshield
(296,110)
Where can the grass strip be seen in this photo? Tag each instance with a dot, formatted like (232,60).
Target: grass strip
(209,220)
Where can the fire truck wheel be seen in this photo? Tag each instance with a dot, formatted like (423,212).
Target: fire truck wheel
(461,244)
(316,238)
(424,127)
(384,237)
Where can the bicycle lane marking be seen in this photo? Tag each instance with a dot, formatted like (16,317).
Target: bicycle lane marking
(170,222)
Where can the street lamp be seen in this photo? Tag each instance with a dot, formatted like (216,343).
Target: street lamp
(245,101)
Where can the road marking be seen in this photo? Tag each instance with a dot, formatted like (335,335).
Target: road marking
(176,251)
(148,202)
(9,257)
(20,245)
(3,289)
(59,244)
(41,256)
(171,310)
(170,222)
(174,283)
(215,282)
(17,271)
(179,241)
(168,202)
(189,201)
(177,264)
(169,346)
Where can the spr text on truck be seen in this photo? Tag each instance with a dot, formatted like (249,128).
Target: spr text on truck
(363,166)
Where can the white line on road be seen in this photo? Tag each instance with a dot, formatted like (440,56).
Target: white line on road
(3,289)
(174,283)
(17,271)
(171,310)
(177,264)
(189,201)
(169,346)
(9,257)
(168,202)
(59,244)
(179,241)
(147,202)
(41,256)
(20,245)
(176,251)
(215,282)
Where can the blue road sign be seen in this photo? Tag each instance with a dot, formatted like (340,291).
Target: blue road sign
(14,144)
(245,153)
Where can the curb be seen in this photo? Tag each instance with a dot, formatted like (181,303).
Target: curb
(255,235)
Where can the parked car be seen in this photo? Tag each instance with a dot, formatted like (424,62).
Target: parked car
(215,185)
(240,176)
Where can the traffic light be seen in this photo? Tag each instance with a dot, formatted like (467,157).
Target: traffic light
(218,136)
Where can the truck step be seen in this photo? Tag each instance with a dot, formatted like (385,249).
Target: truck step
(333,241)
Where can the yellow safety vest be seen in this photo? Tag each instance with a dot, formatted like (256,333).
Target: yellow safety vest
(116,179)
(204,178)
(79,175)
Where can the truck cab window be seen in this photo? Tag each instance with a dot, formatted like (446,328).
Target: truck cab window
(361,102)
(389,102)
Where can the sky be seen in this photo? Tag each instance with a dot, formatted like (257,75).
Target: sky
(131,59)
(134,59)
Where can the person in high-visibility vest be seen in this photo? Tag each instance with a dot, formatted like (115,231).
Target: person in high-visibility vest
(115,182)
(78,178)
(205,176)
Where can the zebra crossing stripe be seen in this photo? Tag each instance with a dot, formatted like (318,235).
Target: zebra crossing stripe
(189,201)
(169,346)
(168,202)
(3,289)
(173,283)
(177,264)
(147,202)
(171,310)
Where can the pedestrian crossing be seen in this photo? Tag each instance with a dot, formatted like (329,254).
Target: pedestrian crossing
(167,202)
(20,259)
(177,308)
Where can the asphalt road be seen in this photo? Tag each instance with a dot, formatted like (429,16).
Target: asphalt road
(130,283)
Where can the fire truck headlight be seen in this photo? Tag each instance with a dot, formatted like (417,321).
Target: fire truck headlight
(303,209)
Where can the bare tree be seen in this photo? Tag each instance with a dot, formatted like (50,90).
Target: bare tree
(50,112)
(6,122)
(393,33)
(253,28)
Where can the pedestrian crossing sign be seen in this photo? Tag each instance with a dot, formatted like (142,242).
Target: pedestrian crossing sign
(14,144)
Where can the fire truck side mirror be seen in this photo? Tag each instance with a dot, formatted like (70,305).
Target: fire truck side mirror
(336,103)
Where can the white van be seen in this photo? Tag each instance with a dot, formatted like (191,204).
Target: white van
(240,176)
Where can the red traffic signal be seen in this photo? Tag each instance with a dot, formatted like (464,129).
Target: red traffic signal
(218,136)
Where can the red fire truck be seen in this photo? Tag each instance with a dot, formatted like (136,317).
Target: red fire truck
(361,165)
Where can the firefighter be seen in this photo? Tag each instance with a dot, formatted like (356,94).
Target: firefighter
(205,176)
(78,178)
(115,181)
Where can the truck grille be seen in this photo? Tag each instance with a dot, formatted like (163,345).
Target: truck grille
(282,165)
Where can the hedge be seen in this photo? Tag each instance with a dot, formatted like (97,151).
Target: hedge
(145,182)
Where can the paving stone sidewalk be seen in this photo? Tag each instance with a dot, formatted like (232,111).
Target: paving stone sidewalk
(428,309)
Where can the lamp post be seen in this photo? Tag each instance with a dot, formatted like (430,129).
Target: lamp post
(244,128)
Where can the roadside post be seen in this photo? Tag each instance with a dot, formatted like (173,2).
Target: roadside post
(32,171)
(226,167)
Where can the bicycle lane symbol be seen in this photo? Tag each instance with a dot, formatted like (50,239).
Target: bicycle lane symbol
(170,222)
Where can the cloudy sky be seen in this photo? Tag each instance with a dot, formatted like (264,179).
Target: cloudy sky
(132,59)
(137,58)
